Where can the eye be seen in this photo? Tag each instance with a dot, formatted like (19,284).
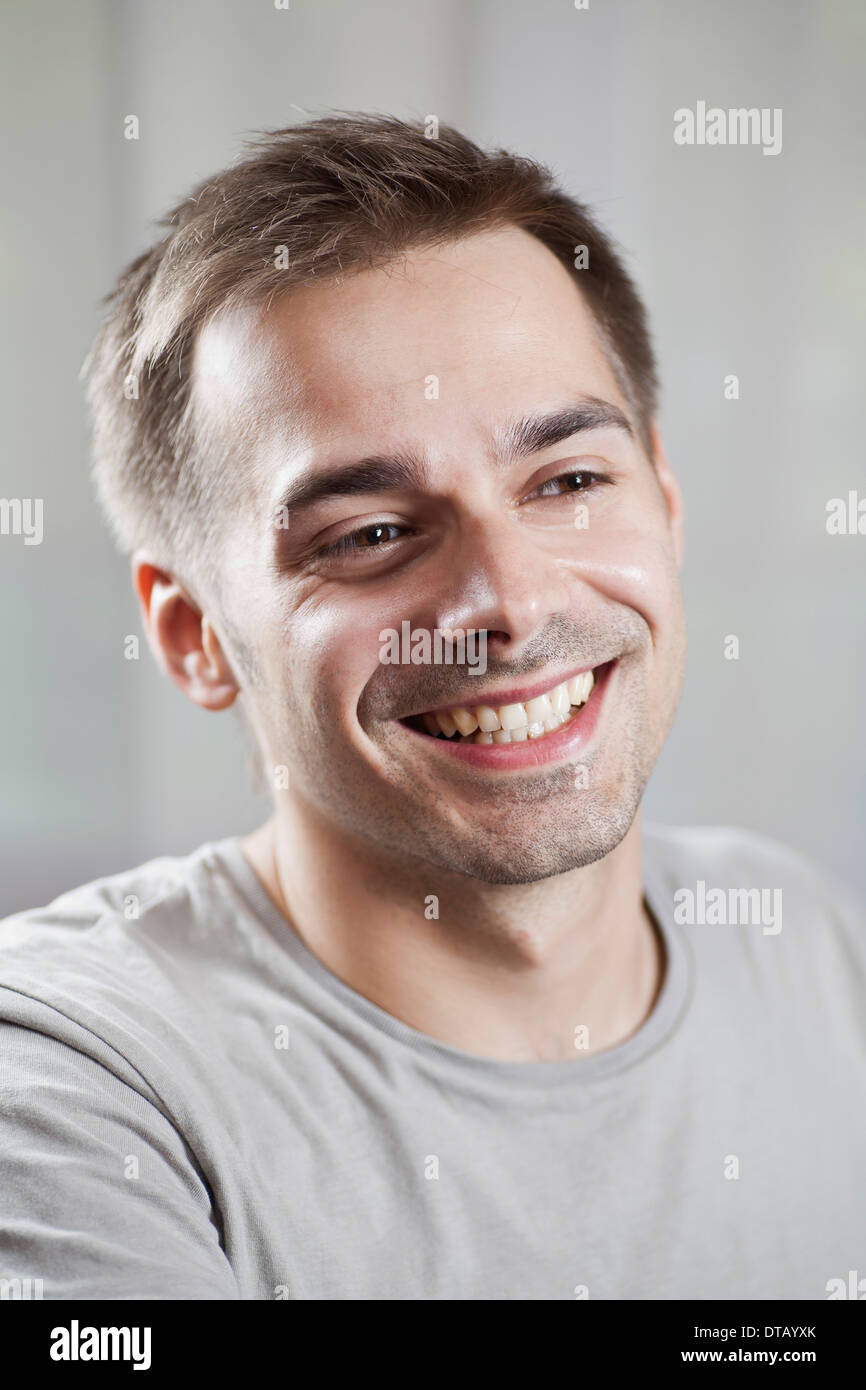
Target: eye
(370,536)
(576,480)
(377,536)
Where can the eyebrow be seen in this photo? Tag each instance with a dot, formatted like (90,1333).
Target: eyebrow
(406,471)
(530,435)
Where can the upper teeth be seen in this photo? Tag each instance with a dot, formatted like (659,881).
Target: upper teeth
(513,723)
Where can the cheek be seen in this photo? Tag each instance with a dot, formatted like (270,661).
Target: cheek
(329,651)
(630,560)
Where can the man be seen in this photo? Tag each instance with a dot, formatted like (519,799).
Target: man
(448,1026)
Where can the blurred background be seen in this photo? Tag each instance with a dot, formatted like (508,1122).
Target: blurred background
(750,264)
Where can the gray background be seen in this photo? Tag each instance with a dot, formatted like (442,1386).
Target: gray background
(750,264)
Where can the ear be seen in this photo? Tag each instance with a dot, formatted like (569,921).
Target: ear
(671,492)
(181,638)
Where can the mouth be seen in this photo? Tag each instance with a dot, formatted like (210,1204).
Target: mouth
(546,715)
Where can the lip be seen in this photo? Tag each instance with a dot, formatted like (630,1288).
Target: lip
(563,743)
(497,698)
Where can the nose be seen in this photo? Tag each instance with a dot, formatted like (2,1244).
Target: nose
(503,582)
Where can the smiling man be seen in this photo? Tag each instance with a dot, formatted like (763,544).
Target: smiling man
(439,1029)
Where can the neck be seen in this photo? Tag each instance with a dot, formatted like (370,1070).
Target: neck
(545,971)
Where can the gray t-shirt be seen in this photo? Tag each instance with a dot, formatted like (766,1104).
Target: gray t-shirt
(192,1106)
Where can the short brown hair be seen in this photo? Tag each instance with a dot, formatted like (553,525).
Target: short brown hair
(342,193)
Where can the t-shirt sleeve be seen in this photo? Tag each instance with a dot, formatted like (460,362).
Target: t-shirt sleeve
(100,1197)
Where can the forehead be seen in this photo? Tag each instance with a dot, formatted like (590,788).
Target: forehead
(440,341)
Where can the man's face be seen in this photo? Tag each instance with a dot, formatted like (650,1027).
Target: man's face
(561,549)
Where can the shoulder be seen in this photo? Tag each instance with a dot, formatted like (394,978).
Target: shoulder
(734,853)
(172,894)
(99,1047)
(127,896)
(726,875)
(724,844)
(113,959)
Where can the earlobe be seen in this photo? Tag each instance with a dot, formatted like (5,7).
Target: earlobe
(181,637)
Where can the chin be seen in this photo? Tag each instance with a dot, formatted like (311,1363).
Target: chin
(545,850)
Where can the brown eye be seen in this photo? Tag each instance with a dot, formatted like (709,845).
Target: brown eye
(379,535)
(374,535)
(578,480)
